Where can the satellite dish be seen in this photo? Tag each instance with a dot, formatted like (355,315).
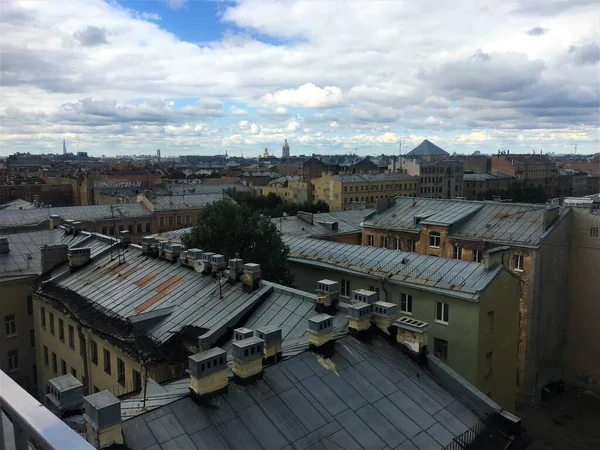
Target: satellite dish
(284,214)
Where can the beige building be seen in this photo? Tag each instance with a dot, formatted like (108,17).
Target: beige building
(537,237)
(291,189)
(477,185)
(344,192)
(473,308)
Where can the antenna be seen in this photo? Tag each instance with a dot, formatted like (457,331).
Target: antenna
(575,148)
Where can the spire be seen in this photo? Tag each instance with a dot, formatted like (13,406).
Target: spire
(285,150)
(64,147)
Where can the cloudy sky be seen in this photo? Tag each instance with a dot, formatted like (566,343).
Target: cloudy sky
(198,77)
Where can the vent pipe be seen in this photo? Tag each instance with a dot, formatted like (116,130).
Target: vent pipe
(102,420)
(251,277)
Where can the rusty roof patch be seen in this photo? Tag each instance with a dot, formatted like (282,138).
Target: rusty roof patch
(161,290)
(146,279)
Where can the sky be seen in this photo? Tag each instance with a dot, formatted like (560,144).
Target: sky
(198,77)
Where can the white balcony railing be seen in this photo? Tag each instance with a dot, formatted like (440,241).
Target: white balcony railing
(32,422)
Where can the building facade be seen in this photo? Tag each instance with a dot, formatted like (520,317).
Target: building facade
(440,178)
(291,189)
(477,185)
(529,170)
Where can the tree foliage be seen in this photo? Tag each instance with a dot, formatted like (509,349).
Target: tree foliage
(272,205)
(235,230)
(517,193)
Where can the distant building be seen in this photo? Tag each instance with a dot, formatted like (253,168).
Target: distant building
(427,151)
(64,147)
(530,170)
(285,150)
(440,178)
(476,185)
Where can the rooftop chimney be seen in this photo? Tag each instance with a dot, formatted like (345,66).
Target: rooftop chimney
(102,420)
(79,256)
(412,335)
(359,317)
(77,227)
(125,237)
(328,293)
(247,358)
(384,315)
(550,215)
(53,255)
(55,221)
(208,372)
(251,276)
(206,264)
(172,251)
(4,248)
(194,255)
(217,262)
(64,394)
(364,296)
(147,243)
(273,338)
(239,334)
(495,257)
(320,333)
(306,216)
(236,266)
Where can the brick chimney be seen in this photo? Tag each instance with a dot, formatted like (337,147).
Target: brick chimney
(79,256)
(208,372)
(412,334)
(102,420)
(359,317)
(247,358)
(239,334)
(251,277)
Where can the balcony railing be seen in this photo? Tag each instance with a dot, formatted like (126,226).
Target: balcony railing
(34,426)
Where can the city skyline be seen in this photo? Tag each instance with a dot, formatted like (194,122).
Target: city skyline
(214,77)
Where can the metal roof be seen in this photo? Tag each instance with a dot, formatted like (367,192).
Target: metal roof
(512,223)
(25,257)
(366,396)
(450,276)
(427,148)
(174,235)
(142,284)
(356,178)
(348,221)
(16,218)
(193,201)
(17,204)
(485,176)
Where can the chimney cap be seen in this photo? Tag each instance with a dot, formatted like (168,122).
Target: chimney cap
(251,267)
(249,342)
(415,325)
(65,383)
(102,400)
(208,354)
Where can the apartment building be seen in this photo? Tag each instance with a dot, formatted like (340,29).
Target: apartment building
(344,192)
(472,307)
(537,237)
(440,178)
(291,189)
(477,185)
(532,170)
(24,258)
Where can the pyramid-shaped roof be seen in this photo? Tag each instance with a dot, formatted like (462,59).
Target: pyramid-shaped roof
(427,148)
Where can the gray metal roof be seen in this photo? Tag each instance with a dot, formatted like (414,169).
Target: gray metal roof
(174,235)
(450,276)
(366,396)
(356,178)
(485,177)
(17,204)
(25,257)
(504,223)
(348,221)
(142,284)
(193,201)
(83,213)
(427,148)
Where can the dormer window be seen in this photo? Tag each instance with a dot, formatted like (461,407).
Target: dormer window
(434,239)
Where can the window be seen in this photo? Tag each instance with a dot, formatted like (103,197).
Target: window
(384,241)
(120,372)
(406,303)
(476,255)
(370,239)
(61,330)
(10,325)
(74,372)
(54,365)
(32,338)
(121,228)
(63,367)
(488,363)
(29,305)
(161,221)
(397,243)
(187,220)
(139,228)
(434,239)
(412,246)
(178,220)
(43,317)
(171,221)
(490,322)
(345,288)
(13,360)
(104,230)
(94,352)
(518,263)
(457,252)
(71,337)
(441,314)
(51,320)
(107,362)
(147,228)
(594,231)
(440,348)
(46,356)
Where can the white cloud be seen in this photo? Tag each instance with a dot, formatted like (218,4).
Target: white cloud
(235,111)
(308,95)
(176,4)
(293,125)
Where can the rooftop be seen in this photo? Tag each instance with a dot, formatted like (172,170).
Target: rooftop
(356,178)
(485,176)
(16,204)
(192,201)
(427,148)
(366,396)
(348,222)
(450,276)
(504,223)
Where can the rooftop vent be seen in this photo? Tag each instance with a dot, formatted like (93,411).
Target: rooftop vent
(412,334)
(79,256)
(364,296)
(328,293)
(217,263)
(251,277)
(320,332)
(147,243)
(273,338)
(206,264)
(239,334)
(236,266)
(4,248)
(247,358)
(125,237)
(208,372)
(172,251)
(53,255)
(103,420)
(183,258)
(384,314)
(359,317)
(64,394)
(194,254)
(55,221)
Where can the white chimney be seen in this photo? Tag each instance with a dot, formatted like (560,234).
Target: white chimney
(412,334)
(79,256)
(320,332)
(172,251)
(251,277)
(208,372)
(273,338)
(206,262)
(247,358)
(102,420)
(64,394)
(364,296)
(359,317)
(236,266)
(217,263)
(125,237)
(384,315)
(328,293)
(147,243)
(239,334)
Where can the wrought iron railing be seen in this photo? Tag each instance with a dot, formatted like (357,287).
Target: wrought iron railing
(462,441)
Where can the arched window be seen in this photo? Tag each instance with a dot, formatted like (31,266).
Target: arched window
(161,221)
(187,220)
(178,220)
(434,239)
(170,220)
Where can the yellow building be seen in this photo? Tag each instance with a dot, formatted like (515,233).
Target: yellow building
(344,192)
(291,189)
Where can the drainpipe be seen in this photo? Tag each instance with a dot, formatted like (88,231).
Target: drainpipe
(383,288)
(83,354)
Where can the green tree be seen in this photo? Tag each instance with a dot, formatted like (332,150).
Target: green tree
(272,205)
(235,230)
